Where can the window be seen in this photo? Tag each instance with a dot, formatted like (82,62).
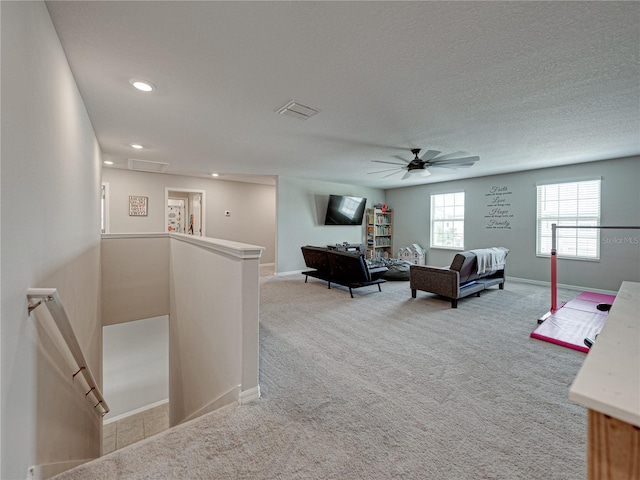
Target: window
(569,204)
(447,220)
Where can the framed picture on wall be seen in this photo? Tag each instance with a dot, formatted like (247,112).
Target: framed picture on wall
(137,206)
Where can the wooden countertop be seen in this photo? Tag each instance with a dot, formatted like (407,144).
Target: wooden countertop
(609,379)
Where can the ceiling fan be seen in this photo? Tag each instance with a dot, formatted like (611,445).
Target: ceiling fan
(421,165)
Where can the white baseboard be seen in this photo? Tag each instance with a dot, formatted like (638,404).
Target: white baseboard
(250,395)
(232,396)
(515,279)
(561,285)
(48,470)
(135,412)
(293,272)
(229,397)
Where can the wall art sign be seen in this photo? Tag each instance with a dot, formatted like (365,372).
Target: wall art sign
(498,203)
(137,206)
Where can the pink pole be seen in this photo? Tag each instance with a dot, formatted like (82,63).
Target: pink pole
(554,300)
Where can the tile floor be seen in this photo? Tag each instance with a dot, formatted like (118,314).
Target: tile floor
(132,429)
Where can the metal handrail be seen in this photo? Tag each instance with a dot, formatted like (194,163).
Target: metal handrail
(50,298)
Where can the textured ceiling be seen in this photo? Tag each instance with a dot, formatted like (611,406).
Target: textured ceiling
(521,84)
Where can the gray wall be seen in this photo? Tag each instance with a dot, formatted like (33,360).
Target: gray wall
(50,238)
(619,250)
(252,206)
(302,205)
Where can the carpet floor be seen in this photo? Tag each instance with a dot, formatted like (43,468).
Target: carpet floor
(384,386)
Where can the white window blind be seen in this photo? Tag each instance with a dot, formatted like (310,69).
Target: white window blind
(447,220)
(569,204)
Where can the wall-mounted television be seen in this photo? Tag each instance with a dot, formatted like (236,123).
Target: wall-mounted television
(345,210)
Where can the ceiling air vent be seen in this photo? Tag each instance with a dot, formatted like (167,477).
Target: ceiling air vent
(297,110)
(147,165)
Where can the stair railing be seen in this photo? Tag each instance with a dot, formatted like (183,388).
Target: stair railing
(50,298)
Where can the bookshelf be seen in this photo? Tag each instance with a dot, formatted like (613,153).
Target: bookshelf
(379,233)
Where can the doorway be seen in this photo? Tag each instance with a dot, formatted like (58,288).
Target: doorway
(185,211)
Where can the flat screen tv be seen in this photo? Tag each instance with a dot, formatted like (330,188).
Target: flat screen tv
(345,210)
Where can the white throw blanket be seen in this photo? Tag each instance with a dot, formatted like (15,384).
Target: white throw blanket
(490,259)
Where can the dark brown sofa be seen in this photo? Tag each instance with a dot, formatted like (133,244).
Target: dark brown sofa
(343,268)
(464,277)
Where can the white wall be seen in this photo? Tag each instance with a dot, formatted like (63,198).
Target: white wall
(50,238)
(213,331)
(136,364)
(620,205)
(302,205)
(252,206)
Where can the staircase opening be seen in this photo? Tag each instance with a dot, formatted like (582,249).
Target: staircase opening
(136,381)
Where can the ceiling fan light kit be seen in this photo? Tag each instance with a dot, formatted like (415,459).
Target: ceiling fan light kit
(420,166)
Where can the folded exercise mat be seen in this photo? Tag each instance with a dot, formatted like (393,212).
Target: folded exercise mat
(574,321)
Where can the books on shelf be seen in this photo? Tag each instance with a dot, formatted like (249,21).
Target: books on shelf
(379,233)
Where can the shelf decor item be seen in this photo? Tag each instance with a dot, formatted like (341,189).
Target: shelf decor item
(414,254)
(137,206)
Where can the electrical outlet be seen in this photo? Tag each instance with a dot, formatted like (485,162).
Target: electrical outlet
(227,213)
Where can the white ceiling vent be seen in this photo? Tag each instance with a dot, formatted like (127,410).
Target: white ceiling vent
(147,165)
(297,110)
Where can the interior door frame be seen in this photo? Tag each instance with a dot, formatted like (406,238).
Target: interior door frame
(104,193)
(203,203)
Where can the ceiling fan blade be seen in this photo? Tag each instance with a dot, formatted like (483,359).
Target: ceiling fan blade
(403,159)
(430,155)
(392,173)
(391,163)
(463,165)
(448,167)
(406,175)
(448,156)
(452,166)
(386,170)
(455,161)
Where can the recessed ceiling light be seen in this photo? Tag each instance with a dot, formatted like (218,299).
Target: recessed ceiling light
(215,175)
(137,146)
(108,162)
(142,85)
